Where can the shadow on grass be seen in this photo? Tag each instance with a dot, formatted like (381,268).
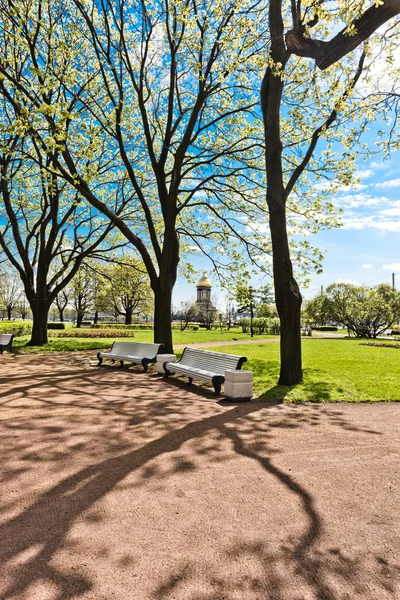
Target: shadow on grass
(313,391)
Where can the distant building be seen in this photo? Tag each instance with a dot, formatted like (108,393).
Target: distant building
(206,311)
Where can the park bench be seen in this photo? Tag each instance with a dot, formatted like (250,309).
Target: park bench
(205,365)
(6,342)
(135,352)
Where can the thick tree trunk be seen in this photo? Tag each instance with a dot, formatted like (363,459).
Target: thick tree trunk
(288,300)
(163,290)
(287,293)
(79,319)
(128,317)
(9,313)
(96,317)
(61,314)
(40,312)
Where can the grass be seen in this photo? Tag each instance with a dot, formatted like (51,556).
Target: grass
(141,335)
(334,371)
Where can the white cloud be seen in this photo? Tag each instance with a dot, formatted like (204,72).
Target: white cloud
(392,267)
(371,222)
(364,174)
(377,166)
(347,281)
(360,200)
(391,212)
(367,266)
(389,184)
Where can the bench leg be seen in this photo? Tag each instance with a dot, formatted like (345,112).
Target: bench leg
(145,365)
(99,359)
(217,382)
(121,364)
(190,381)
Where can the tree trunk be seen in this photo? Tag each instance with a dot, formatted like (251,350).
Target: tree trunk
(61,314)
(163,290)
(287,294)
(96,317)
(128,317)
(40,312)
(79,319)
(9,313)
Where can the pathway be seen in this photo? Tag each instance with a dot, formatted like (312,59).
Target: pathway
(117,484)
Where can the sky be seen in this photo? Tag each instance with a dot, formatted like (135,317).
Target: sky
(365,250)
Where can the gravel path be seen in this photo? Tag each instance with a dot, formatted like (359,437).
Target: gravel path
(120,485)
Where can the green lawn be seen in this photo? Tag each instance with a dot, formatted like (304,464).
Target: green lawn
(141,335)
(334,370)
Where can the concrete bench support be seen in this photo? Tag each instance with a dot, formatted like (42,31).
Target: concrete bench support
(163,358)
(238,385)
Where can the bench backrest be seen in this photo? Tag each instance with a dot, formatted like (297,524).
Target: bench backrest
(215,362)
(139,349)
(5,338)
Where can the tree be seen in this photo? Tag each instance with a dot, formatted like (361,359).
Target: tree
(10,293)
(366,312)
(46,230)
(293,134)
(82,292)
(61,301)
(314,311)
(158,99)
(249,298)
(129,288)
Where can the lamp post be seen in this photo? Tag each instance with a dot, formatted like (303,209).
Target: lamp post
(251,291)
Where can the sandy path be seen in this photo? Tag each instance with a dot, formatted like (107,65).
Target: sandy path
(119,485)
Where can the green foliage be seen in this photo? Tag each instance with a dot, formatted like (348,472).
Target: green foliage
(366,312)
(94,333)
(55,325)
(269,326)
(113,326)
(324,328)
(18,328)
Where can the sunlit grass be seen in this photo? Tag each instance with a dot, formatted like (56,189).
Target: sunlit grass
(334,370)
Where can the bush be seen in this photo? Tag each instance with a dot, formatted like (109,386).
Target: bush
(55,325)
(94,333)
(261,326)
(18,328)
(395,332)
(112,326)
(324,328)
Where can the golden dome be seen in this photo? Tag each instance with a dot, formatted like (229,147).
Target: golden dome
(204,281)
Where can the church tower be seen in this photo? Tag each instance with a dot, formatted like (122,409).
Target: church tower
(203,290)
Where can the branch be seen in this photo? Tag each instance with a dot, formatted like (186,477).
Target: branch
(326,54)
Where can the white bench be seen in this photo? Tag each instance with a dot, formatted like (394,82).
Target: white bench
(6,342)
(134,352)
(205,365)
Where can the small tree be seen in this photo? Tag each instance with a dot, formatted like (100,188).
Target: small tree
(129,288)
(10,293)
(366,312)
(82,293)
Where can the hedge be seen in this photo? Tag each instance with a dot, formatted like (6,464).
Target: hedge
(93,333)
(55,325)
(112,326)
(324,328)
(16,327)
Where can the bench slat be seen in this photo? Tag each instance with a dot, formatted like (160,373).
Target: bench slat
(205,365)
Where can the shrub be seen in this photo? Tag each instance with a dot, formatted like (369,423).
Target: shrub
(18,328)
(112,326)
(55,325)
(94,333)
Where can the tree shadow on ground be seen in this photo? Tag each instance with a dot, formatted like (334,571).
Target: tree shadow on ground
(147,432)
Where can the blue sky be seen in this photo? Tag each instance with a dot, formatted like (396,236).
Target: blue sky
(366,249)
